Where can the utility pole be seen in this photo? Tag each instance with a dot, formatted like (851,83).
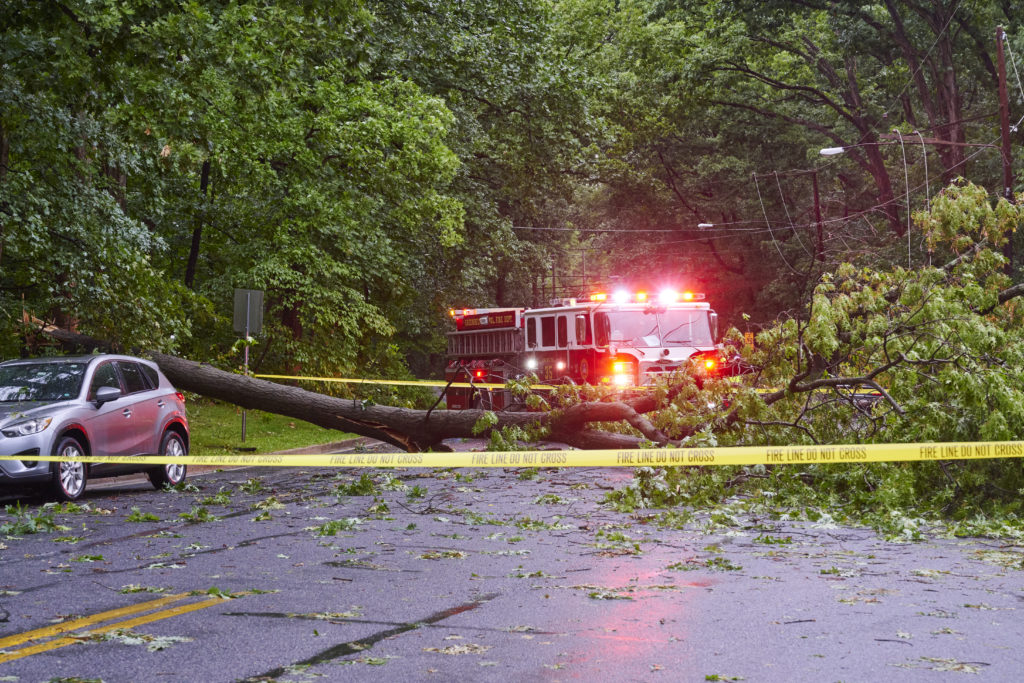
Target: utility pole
(1004,125)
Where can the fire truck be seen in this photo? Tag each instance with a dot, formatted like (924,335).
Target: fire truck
(623,339)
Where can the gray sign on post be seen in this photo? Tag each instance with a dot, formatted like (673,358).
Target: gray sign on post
(248,311)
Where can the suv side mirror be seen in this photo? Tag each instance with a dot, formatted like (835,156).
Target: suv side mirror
(106,395)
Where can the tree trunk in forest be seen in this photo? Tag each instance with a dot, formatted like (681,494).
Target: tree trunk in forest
(885,195)
(5,151)
(197,232)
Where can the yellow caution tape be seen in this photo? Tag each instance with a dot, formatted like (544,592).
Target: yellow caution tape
(492,385)
(403,382)
(659,457)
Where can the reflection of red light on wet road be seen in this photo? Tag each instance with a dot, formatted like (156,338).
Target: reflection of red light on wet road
(632,635)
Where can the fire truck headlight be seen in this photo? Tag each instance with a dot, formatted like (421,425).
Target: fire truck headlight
(623,373)
(531,363)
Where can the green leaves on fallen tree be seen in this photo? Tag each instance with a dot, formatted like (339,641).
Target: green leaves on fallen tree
(924,355)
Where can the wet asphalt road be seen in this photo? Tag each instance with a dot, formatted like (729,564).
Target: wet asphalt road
(483,575)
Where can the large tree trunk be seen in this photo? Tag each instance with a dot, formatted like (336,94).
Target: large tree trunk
(411,430)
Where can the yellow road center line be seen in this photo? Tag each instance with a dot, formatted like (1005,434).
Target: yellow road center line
(75,624)
(126,624)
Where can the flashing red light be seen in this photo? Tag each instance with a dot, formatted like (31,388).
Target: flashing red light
(641,296)
(598,296)
(181,396)
(709,363)
(479,374)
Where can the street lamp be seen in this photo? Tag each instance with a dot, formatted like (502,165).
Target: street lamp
(832,151)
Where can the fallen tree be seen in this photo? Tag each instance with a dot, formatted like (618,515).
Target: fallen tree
(409,429)
(929,343)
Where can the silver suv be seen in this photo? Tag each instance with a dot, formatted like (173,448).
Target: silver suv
(87,405)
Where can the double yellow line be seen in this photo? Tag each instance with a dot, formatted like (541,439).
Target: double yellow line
(57,631)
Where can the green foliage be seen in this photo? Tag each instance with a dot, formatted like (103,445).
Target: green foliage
(25,522)
(222,497)
(245,144)
(251,486)
(334,526)
(486,421)
(88,558)
(198,515)
(363,486)
(136,588)
(138,515)
(943,358)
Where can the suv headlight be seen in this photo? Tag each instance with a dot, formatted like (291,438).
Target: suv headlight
(27,427)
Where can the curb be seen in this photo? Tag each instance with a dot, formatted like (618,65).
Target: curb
(329,447)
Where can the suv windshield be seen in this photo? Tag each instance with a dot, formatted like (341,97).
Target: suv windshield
(644,329)
(40,381)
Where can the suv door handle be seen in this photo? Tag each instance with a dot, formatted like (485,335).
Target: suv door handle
(127,412)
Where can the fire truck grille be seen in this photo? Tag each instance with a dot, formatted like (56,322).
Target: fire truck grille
(655,369)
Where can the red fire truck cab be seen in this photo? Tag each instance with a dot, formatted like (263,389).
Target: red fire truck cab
(624,340)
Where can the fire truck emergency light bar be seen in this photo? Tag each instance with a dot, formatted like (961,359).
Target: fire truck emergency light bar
(665,296)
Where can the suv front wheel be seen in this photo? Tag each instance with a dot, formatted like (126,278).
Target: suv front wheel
(170,474)
(69,476)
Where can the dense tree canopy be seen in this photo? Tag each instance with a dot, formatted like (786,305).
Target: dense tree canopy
(370,164)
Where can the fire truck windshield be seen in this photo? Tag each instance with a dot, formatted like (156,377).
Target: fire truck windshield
(645,329)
